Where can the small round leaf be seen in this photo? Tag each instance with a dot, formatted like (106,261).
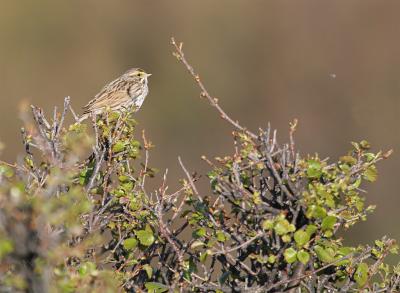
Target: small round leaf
(303,256)
(145,237)
(290,255)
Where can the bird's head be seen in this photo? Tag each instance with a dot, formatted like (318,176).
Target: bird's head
(137,74)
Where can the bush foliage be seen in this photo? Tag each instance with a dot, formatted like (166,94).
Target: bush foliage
(76,215)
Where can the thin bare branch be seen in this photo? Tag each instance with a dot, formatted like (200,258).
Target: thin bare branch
(179,54)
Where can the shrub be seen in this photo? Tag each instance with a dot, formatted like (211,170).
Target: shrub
(76,215)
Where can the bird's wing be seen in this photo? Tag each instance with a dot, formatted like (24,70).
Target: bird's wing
(106,98)
(112,100)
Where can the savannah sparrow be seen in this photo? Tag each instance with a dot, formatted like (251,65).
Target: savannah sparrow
(128,90)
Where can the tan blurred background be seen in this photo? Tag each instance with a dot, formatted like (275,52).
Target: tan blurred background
(334,65)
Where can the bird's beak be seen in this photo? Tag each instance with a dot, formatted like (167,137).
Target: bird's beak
(148,74)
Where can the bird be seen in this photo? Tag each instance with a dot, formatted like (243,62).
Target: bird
(125,93)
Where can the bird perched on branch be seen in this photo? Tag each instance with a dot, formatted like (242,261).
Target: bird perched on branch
(122,94)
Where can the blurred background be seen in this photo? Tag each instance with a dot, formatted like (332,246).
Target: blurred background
(334,65)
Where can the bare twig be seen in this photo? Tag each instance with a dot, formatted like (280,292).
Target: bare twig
(189,177)
(243,245)
(96,170)
(293,127)
(65,109)
(147,145)
(73,113)
(179,54)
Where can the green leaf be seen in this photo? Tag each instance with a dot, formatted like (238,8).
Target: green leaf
(221,237)
(145,237)
(113,116)
(123,179)
(290,255)
(119,146)
(201,232)
(371,174)
(262,259)
(256,198)
(130,243)
(135,143)
(380,243)
(370,156)
(394,249)
(348,159)
(154,287)
(148,269)
(365,145)
(7,171)
(6,246)
(355,146)
(303,256)
(283,227)
(342,252)
(311,229)
(86,268)
(301,237)
(267,224)
(314,211)
(203,257)
(361,274)
(345,250)
(324,255)
(85,174)
(272,258)
(314,170)
(286,238)
(356,184)
(328,223)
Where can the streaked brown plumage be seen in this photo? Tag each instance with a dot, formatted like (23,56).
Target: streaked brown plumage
(128,90)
